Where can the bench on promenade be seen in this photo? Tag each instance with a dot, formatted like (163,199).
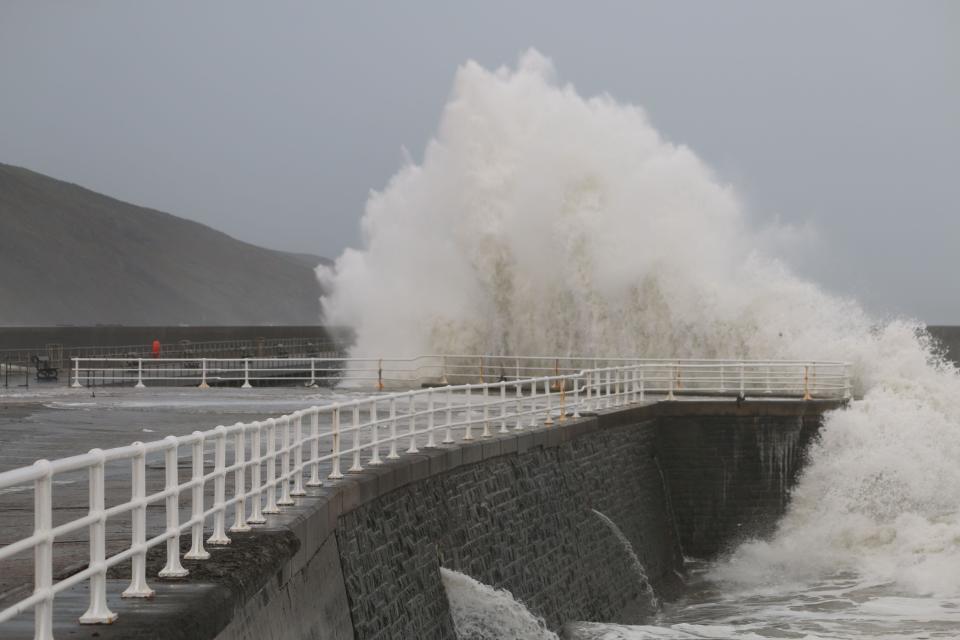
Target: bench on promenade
(45,371)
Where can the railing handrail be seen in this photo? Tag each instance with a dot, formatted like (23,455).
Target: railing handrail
(333,368)
(705,361)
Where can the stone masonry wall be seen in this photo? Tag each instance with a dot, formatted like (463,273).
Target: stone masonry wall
(675,477)
(522,522)
(730,474)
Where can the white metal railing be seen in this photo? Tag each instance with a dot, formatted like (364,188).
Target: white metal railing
(384,373)
(262,466)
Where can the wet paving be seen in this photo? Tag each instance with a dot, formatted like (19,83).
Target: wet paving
(57,422)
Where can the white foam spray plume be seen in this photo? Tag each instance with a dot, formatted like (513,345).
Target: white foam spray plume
(481,612)
(541,222)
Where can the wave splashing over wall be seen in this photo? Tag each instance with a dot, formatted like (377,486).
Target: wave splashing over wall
(543,222)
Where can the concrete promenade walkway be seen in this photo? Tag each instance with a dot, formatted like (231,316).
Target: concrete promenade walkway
(56,422)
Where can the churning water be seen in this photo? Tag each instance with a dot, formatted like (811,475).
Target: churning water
(540,221)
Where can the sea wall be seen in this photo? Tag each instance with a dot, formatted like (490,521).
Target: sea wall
(948,338)
(729,469)
(523,521)
(696,476)
(549,513)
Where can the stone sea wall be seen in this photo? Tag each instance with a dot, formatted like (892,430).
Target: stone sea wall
(552,514)
(676,478)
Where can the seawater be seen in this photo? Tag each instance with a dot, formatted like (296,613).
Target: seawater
(540,221)
(831,607)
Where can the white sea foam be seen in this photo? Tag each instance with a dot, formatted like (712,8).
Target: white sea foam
(540,221)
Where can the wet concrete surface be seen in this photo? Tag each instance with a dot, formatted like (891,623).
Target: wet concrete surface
(57,422)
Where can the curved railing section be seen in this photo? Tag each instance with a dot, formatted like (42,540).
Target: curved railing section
(260,467)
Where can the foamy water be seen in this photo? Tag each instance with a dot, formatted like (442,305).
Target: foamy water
(480,611)
(540,221)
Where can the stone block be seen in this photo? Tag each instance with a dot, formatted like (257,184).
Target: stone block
(491,448)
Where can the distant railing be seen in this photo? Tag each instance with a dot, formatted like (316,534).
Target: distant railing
(184,349)
(688,375)
(262,466)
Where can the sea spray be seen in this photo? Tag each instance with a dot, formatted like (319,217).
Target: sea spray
(540,221)
(481,612)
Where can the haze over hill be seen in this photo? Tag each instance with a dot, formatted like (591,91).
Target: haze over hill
(70,255)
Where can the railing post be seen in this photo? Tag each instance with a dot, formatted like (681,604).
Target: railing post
(197,552)
(138,583)
(597,389)
(314,480)
(380,375)
(563,399)
(246,374)
(431,443)
(546,391)
(173,568)
(743,383)
(76,373)
(98,612)
(43,552)
(374,433)
(468,409)
(239,479)
(297,445)
(335,436)
(443,370)
(609,402)
(617,388)
(519,387)
(576,397)
(448,436)
(393,455)
(313,372)
(356,466)
(503,406)
(271,484)
(203,379)
(256,486)
(643,384)
(806,382)
(634,385)
(412,408)
(219,535)
(486,412)
(533,402)
(139,384)
(588,387)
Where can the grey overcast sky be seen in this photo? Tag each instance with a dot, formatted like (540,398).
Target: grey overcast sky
(273,120)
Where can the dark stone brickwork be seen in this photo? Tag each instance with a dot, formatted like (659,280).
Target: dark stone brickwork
(729,477)
(520,522)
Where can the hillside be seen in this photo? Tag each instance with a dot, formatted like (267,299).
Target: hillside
(70,255)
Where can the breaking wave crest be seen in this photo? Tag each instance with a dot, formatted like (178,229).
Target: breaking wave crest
(543,222)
